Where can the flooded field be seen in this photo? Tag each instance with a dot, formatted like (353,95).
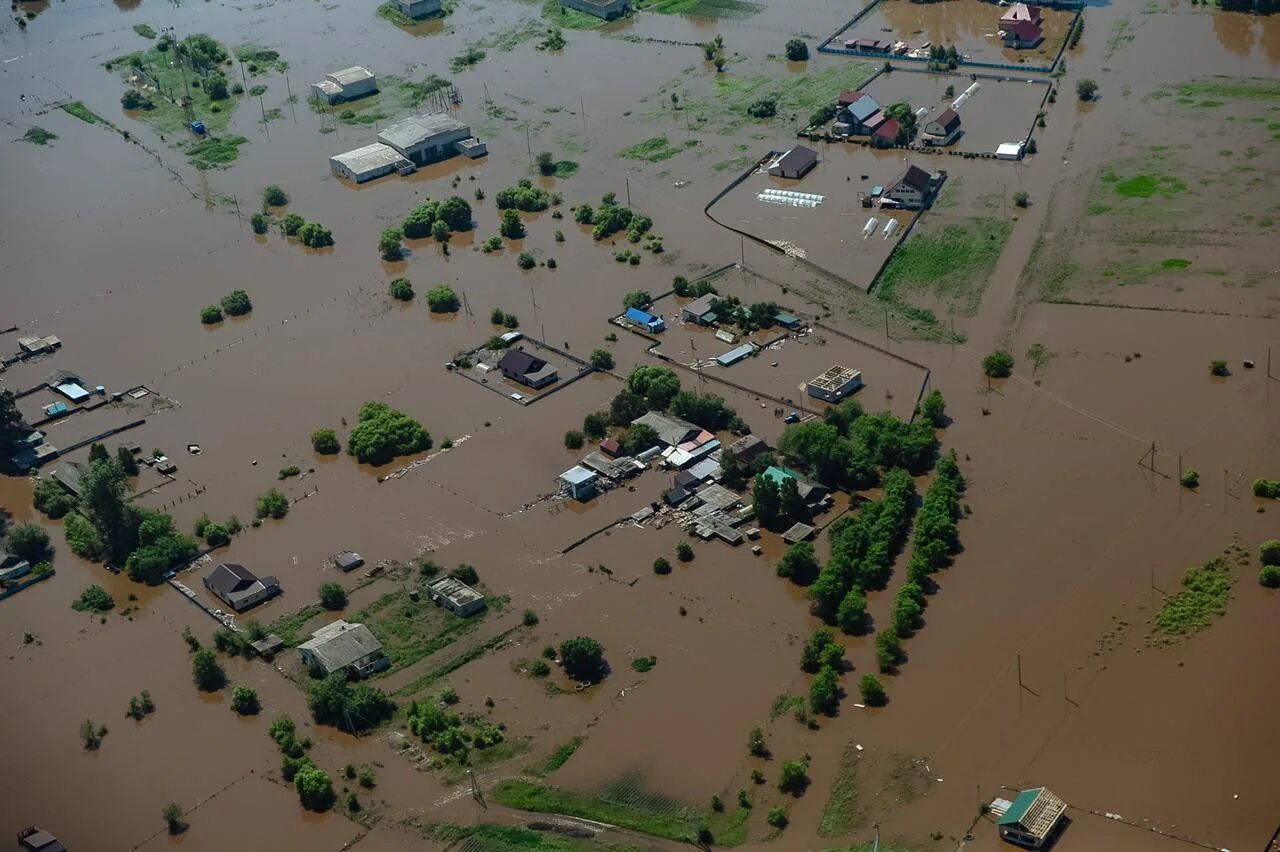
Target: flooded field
(1129,265)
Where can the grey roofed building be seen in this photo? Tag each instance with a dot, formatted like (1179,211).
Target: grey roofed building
(795,164)
(348,561)
(342,645)
(455,595)
(607,9)
(419,8)
(748,446)
(426,138)
(68,475)
(671,431)
(700,309)
(527,368)
(238,587)
(798,533)
(366,162)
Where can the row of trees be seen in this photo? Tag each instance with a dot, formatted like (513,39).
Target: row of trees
(315,789)
(654,388)
(611,217)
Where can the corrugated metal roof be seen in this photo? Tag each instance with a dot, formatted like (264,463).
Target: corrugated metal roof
(417,129)
(347,76)
(368,157)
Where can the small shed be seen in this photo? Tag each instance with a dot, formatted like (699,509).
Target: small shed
(798,533)
(794,164)
(1009,151)
(736,354)
(611,447)
(581,482)
(348,560)
(456,596)
(647,320)
(787,321)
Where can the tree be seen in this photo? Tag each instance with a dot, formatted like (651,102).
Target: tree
(777,817)
(706,410)
(31,543)
(684,551)
(332,596)
(511,226)
(11,423)
(595,425)
(523,196)
(1219,368)
(50,498)
(797,50)
(401,289)
(638,438)
(765,107)
(661,565)
(442,300)
(526,261)
(1021,198)
(602,359)
(573,440)
(794,776)
(390,245)
(236,303)
(799,564)
(767,502)
(637,299)
(811,655)
(584,215)
(133,99)
(756,744)
(207,672)
(852,614)
(325,442)
(217,535)
(384,433)
(1269,552)
(465,573)
(998,365)
(934,408)
(94,599)
(315,235)
(291,224)
(820,446)
(872,692)
(244,701)
(658,385)
(582,658)
(824,692)
(82,538)
(906,118)
(791,504)
(273,504)
(456,213)
(1190,478)
(274,196)
(172,814)
(98,453)
(353,708)
(315,790)
(888,649)
(420,220)
(127,462)
(625,407)
(1086,89)
(440,231)
(546,164)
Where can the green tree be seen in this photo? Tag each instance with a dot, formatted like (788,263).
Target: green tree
(384,433)
(274,196)
(128,464)
(934,408)
(824,692)
(1021,198)
(98,453)
(236,303)
(94,599)
(82,538)
(767,502)
(777,817)
(595,425)
(353,708)
(244,701)
(811,655)
(638,438)
(661,565)
(291,224)
(511,226)
(523,196)
(791,504)
(1086,89)
(420,220)
(582,658)
(102,498)
(799,564)
(888,649)
(797,50)
(217,535)
(756,744)
(259,223)
(272,504)
(852,614)
(602,359)
(315,790)
(819,446)
(546,163)
(455,212)
(1190,478)
(684,551)
(906,118)
(873,694)
(207,672)
(325,442)
(50,498)
(210,314)
(1269,552)
(793,776)
(172,814)
(998,365)
(31,543)
(390,245)
(525,260)
(315,235)
(625,407)
(573,440)
(332,596)
(401,289)
(442,300)
(637,299)
(1269,576)
(658,385)
(1219,368)
(440,231)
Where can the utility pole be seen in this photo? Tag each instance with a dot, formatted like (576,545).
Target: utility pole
(528,141)
(265,123)
(628,179)
(243,78)
(582,110)
(742,246)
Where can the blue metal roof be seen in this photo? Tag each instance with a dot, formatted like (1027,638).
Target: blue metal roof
(735,355)
(637,315)
(862,108)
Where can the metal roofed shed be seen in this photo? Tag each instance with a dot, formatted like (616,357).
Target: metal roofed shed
(35,839)
(671,431)
(455,595)
(794,164)
(835,384)
(345,85)
(798,533)
(700,310)
(1031,818)
(73,391)
(1009,151)
(366,162)
(650,322)
(786,320)
(736,354)
(581,482)
(340,646)
(425,138)
(348,561)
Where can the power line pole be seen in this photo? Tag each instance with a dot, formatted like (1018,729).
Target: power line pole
(628,179)
(582,110)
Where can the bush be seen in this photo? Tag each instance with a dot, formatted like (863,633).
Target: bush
(442,300)
(595,425)
(873,694)
(1218,368)
(551,263)
(582,658)
(50,498)
(133,99)
(1021,198)
(824,692)
(172,814)
(684,551)
(1269,576)
(273,504)
(1269,552)
(523,196)
(811,655)
(998,365)
(777,817)
(440,231)
(797,50)
(325,442)
(314,235)
(353,708)
(573,440)
(236,303)
(637,299)
(315,790)
(529,618)
(539,668)
(210,314)
(83,538)
(259,223)
(1190,478)
(888,649)
(511,226)
(390,245)
(244,701)
(934,408)
(799,564)
(602,359)
(31,543)
(546,164)
(661,565)
(793,777)
(765,107)
(1266,488)
(332,596)
(526,260)
(207,672)
(217,535)
(94,599)
(384,433)
(401,289)
(1086,89)
(274,196)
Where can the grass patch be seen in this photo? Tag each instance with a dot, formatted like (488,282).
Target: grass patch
(453,665)
(646,813)
(559,757)
(287,626)
(1231,88)
(410,630)
(797,95)
(570,19)
(644,664)
(728,9)
(1205,589)
(1174,263)
(784,704)
(144,30)
(82,112)
(1144,185)
(653,150)
(840,815)
(953,264)
(213,153)
(566,168)
(735,164)
(470,58)
(39,136)
(499,838)
(730,828)
(168,116)
(260,60)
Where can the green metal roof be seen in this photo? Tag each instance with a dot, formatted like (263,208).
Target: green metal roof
(778,474)
(1019,807)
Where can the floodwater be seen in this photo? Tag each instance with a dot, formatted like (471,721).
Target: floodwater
(971,25)
(114,247)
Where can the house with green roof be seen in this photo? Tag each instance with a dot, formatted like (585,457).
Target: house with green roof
(812,493)
(1031,819)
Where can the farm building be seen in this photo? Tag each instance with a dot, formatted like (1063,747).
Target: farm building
(787,321)
(886,132)
(868,45)
(942,129)
(671,432)
(38,345)
(835,384)
(911,191)
(430,137)
(1021,34)
(812,493)
(418,8)
(455,596)
(342,646)
(795,163)
(610,10)
(700,310)
(34,839)
(345,85)
(581,482)
(367,162)
(1031,818)
(736,354)
(527,369)
(348,561)
(238,587)
(1009,151)
(651,323)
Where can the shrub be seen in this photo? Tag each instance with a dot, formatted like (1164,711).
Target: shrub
(602,359)
(274,196)
(595,425)
(440,231)
(314,235)
(756,744)
(172,814)
(824,692)
(998,365)
(288,471)
(401,289)
(210,314)
(1086,89)
(684,551)
(797,50)
(573,440)
(526,260)
(133,99)
(492,244)
(442,300)
(793,776)
(1266,488)
(325,442)
(244,701)
(777,817)
(1190,478)
(315,790)
(511,226)
(273,504)
(466,574)
(1218,368)
(546,164)
(384,433)
(539,668)
(637,299)
(661,565)
(390,245)
(366,778)
(529,618)
(523,196)
(207,672)
(332,596)
(83,538)
(217,535)
(873,694)
(236,303)
(765,107)
(934,408)
(551,263)
(582,658)
(50,498)
(888,649)
(1269,576)
(94,599)
(1021,198)
(31,543)
(1269,552)
(259,223)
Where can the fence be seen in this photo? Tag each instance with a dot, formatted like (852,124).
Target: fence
(13,590)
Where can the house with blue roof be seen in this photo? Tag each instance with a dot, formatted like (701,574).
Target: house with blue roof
(646,320)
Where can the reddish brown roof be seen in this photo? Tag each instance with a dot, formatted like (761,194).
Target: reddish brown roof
(915,177)
(850,97)
(949,119)
(1026,31)
(888,130)
(610,446)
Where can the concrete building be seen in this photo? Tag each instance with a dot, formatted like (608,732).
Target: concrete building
(455,595)
(911,191)
(238,587)
(426,138)
(342,646)
(418,9)
(795,163)
(835,384)
(345,85)
(610,10)
(1031,819)
(700,310)
(368,162)
(942,129)
(527,369)
(581,482)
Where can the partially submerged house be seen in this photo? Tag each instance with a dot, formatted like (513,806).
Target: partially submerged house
(580,482)
(942,129)
(348,561)
(671,431)
(345,85)
(409,143)
(527,369)
(650,323)
(36,839)
(13,566)
(1030,819)
(748,447)
(700,310)
(795,163)
(610,10)
(344,647)
(418,9)
(912,191)
(835,384)
(812,493)
(868,45)
(455,596)
(68,475)
(886,132)
(238,587)
(1021,35)
(860,113)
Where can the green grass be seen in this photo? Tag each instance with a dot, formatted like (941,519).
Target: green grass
(469,59)
(83,113)
(653,150)
(453,665)
(169,117)
(649,815)
(559,757)
(570,19)
(730,9)
(784,704)
(39,136)
(1174,263)
(501,838)
(411,630)
(644,664)
(213,153)
(144,30)
(841,815)
(885,846)
(1205,590)
(735,164)
(953,264)
(730,828)
(566,168)
(1231,88)
(1144,185)
(263,58)
(287,626)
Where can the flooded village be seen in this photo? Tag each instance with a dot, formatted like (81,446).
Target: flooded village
(497,424)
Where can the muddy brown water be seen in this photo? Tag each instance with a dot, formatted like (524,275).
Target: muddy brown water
(107,249)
